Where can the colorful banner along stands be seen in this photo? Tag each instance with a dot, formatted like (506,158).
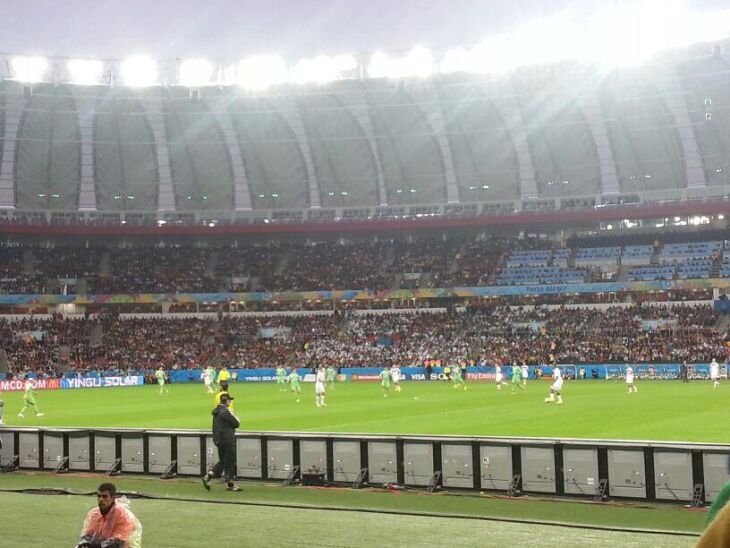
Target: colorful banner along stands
(364,294)
(642,371)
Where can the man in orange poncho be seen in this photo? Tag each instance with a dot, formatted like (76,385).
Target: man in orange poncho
(112,524)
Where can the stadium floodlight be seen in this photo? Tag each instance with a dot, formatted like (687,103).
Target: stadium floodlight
(195,73)
(417,63)
(322,69)
(262,71)
(28,69)
(86,72)
(456,60)
(139,71)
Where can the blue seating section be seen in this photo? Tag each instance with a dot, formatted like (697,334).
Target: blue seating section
(684,261)
(679,253)
(589,256)
(636,255)
(540,257)
(560,257)
(648,273)
(525,275)
(695,268)
(725,268)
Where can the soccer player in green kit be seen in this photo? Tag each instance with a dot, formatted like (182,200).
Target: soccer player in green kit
(294,383)
(29,400)
(516,378)
(457,376)
(385,381)
(331,375)
(281,378)
(160,375)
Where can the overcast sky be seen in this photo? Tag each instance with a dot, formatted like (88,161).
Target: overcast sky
(238,28)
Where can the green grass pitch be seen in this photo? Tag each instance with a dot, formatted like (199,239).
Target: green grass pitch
(173,524)
(661,410)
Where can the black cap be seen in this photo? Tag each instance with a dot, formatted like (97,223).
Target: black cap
(226,397)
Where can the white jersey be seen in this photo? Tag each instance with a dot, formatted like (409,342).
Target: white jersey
(395,375)
(319,381)
(557,379)
(524,369)
(714,370)
(209,376)
(498,374)
(629,375)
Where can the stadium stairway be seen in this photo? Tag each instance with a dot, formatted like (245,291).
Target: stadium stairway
(571,258)
(104,263)
(97,335)
(426,280)
(716,266)
(723,324)
(454,264)
(28,261)
(284,261)
(622,274)
(212,263)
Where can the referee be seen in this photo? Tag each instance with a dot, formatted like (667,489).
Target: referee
(224,432)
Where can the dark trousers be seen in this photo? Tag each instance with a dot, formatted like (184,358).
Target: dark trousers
(226,461)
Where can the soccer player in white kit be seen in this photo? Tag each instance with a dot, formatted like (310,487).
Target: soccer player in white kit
(319,387)
(556,387)
(630,386)
(498,376)
(715,373)
(395,377)
(524,371)
(208,375)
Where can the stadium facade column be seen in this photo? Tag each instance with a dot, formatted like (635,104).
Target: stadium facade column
(511,113)
(165,192)
(428,102)
(670,89)
(591,107)
(241,188)
(289,110)
(14,104)
(356,103)
(85,110)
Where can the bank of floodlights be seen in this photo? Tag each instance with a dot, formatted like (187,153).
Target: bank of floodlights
(262,71)
(195,73)
(620,34)
(86,72)
(322,69)
(28,69)
(138,71)
(416,63)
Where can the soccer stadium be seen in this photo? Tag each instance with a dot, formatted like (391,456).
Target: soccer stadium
(467,295)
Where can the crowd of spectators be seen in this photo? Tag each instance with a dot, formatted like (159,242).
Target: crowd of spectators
(275,266)
(487,334)
(312,266)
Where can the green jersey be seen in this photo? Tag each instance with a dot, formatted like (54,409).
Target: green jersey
(516,373)
(160,374)
(293,379)
(29,395)
(330,374)
(385,377)
(456,372)
(280,375)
